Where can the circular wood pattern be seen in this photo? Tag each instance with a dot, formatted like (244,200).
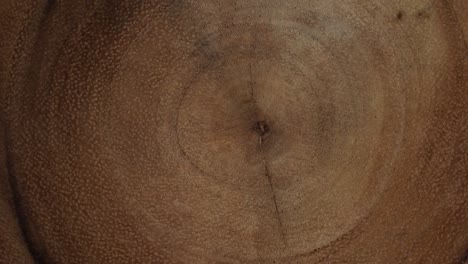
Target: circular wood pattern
(238,131)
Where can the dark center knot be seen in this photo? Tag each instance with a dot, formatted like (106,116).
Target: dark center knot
(262,128)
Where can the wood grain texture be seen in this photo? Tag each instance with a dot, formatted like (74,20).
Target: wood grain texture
(13,247)
(305,131)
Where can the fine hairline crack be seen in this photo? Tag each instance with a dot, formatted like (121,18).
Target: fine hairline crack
(262,150)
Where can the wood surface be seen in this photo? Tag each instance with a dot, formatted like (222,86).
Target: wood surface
(183,131)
